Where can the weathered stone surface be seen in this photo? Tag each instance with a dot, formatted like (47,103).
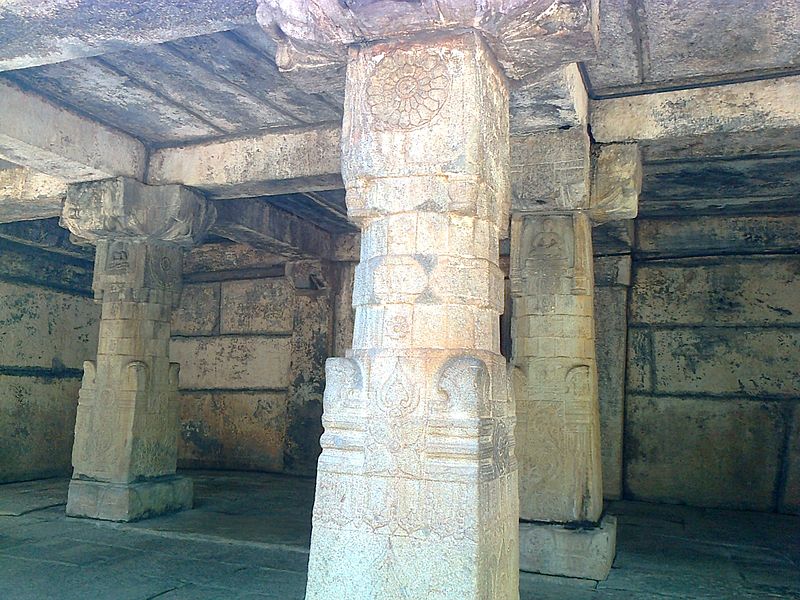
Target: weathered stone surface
(419,414)
(753,290)
(54,141)
(311,346)
(46,234)
(229,258)
(123,207)
(290,160)
(616,182)
(567,551)
(128,502)
(261,225)
(640,366)
(613,237)
(749,362)
(526,37)
(232,430)
(46,328)
(37,419)
(550,170)
(750,106)
(557,100)
(26,194)
(242,362)
(680,450)
(257,306)
(612,275)
(56,32)
(558,429)
(682,44)
(713,235)
(198,311)
(789,501)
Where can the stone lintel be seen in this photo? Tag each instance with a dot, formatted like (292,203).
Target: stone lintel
(528,38)
(126,208)
(585,553)
(40,135)
(616,182)
(128,501)
(263,226)
(275,162)
(751,106)
(26,194)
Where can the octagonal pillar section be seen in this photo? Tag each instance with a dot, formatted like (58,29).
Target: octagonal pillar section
(126,431)
(417,482)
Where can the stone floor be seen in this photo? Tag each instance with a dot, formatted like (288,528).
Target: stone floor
(248,538)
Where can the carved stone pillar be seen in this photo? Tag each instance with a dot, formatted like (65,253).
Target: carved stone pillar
(417,482)
(553,331)
(126,431)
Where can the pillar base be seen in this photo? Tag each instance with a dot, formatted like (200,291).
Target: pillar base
(128,502)
(554,549)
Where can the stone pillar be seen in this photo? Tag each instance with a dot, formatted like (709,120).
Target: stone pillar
(417,483)
(126,432)
(563,531)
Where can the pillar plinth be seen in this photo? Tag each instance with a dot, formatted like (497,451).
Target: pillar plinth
(417,482)
(126,430)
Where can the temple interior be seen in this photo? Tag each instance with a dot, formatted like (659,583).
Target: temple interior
(400,300)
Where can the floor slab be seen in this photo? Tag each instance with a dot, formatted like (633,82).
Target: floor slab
(248,537)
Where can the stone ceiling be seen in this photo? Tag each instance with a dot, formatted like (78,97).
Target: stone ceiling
(226,83)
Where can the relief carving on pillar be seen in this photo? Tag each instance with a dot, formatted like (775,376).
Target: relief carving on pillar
(464,387)
(407,90)
(343,386)
(395,441)
(87,404)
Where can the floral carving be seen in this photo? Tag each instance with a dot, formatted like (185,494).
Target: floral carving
(407,91)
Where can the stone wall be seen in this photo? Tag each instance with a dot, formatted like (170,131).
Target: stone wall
(48,327)
(252,339)
(713,367)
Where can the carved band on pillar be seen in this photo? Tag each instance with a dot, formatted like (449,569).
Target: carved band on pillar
(125,449)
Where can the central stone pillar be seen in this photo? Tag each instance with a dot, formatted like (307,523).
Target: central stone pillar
(417,483)
(126,431)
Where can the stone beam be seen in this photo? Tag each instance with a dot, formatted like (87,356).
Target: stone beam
(263,226)
(58,31)
(274,162)
(46,235)
(60,143)
(26,194)
(752,106)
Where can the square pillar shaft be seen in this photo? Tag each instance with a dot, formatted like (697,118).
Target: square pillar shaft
(417,483)
(558,432)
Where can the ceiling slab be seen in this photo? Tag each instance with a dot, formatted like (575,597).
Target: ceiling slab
(45,32)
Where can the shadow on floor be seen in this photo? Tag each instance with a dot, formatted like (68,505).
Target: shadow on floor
(248,537)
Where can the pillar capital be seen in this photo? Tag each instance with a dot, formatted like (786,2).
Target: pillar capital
(125,208)
(527,36)
(562,171)
(415,124)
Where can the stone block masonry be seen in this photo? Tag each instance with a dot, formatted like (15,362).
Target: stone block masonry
(48,327)
(254,352)
(713,386)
